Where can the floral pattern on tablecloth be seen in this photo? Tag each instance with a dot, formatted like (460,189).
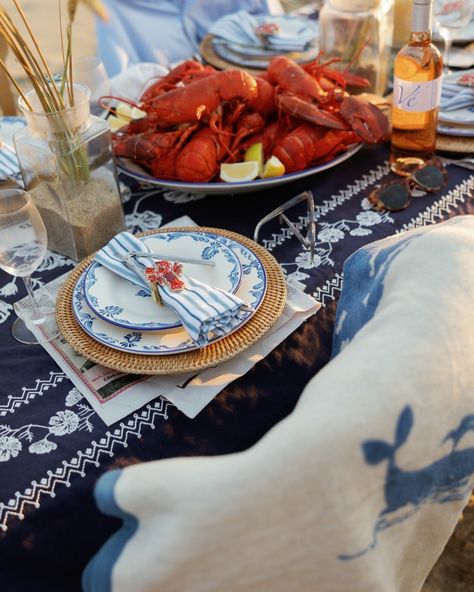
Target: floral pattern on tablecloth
(345,221)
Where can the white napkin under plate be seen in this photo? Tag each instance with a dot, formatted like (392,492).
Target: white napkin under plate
(205,311)
(293,33)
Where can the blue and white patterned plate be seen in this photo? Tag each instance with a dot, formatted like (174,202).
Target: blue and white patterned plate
(122,303)
(297,38)
(252,290)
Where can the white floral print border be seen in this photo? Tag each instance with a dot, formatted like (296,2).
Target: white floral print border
(119,436)
(27,394)
(458,194)
(327,292)
(40,438)
(330,204)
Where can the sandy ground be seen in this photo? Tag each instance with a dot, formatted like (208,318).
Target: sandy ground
(43,16)
(454,571)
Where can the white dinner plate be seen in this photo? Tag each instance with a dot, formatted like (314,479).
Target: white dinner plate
(459,116)
(128,305)
(219,188)
(252,290)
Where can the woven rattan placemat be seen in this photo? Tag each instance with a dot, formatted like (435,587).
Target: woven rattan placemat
(215,353)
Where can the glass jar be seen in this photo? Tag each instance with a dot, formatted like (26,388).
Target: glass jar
(67,166)
(359,33)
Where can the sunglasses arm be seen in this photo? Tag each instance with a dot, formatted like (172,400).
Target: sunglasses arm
(309,240)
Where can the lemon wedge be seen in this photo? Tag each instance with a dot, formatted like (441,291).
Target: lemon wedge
(124,114)
(273,168)
(239,171)
(116,123)
(127,112)
(255,152)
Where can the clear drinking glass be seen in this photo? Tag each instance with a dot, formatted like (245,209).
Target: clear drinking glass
(23,242)
(449,17)
(89,70)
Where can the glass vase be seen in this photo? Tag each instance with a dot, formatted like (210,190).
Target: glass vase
(67,166)
(359,34)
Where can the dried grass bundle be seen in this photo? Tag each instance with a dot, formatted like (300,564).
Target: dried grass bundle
(25,47)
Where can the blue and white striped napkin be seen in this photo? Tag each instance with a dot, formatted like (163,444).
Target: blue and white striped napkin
(455,96)
(9,167)
(205,311)
(294,32)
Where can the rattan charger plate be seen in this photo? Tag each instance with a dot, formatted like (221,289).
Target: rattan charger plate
(269,311)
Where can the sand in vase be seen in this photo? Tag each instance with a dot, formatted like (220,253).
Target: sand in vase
(90,221)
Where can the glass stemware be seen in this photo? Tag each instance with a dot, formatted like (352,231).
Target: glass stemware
(450,16)
(23,242)
(89,70)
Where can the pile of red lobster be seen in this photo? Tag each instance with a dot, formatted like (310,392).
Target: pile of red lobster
(198,117)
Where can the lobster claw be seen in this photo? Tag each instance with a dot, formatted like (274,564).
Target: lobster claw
(367,120)
(309,112)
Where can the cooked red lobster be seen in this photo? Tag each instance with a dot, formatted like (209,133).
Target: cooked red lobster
(198,117)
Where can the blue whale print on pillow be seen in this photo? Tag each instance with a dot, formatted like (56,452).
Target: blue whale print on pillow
(444,480)
(364,274)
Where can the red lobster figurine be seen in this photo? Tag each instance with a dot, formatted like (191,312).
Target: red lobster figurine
(167,274)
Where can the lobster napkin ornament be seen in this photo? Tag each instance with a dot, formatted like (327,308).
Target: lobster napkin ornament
(166,273)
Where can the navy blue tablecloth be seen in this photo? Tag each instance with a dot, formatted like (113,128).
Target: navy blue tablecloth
(49,525)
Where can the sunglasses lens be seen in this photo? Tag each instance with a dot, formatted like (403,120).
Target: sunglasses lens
(393,197)
(429,177)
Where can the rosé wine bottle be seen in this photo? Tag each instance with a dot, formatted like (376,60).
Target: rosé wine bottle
(418,71)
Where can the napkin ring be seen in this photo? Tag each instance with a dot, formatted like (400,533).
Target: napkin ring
(166,274)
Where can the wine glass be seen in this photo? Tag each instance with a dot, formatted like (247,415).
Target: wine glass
(89,70)
(23,242)
(450,16)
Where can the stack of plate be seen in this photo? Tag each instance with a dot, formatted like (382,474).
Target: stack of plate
(255,53)
(456,127)
(116,323)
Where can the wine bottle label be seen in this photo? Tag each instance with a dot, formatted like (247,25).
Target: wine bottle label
(416,96)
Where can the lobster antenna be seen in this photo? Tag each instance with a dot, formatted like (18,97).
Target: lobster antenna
(110,109)
(356,55)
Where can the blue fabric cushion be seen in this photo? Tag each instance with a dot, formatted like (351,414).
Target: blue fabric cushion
(163,31)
